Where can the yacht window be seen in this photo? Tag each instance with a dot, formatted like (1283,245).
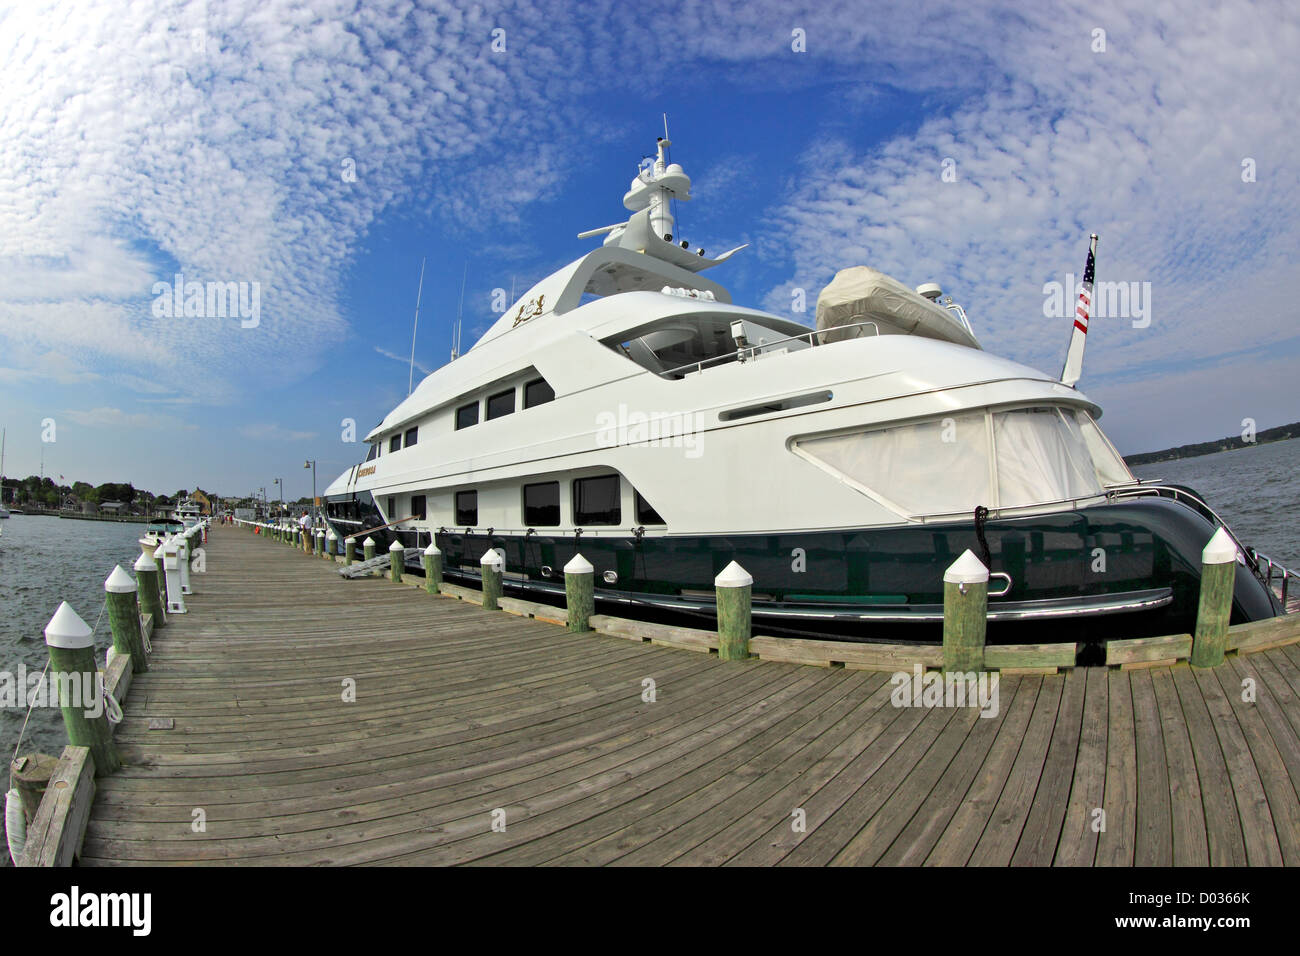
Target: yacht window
(395,443)
(1111,468)
(392,508)
(932,467)
(374,451)
(538,392)
(411,435)
(596,500)
(500,404)
(542,505)
(645,513)
(467,415)
(417,507)
(1042,456)
(467,508)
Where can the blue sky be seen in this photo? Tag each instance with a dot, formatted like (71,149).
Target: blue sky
(213,139)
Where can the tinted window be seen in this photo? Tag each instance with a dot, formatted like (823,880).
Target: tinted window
(538,392)
(411,436)
(417,507)
(467,415)
(502,403)
(374,450)
(392,508)
(395,443)
(542,504)
(645,514)
(596,500)
(467,508)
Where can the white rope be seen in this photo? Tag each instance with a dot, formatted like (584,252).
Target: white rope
(112,709)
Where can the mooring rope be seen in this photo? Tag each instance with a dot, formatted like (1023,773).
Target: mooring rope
(23,731)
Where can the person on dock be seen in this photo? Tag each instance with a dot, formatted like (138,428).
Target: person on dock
(304,523)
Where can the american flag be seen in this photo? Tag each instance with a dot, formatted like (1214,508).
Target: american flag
(1085,296)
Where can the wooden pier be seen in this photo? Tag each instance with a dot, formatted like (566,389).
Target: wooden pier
(480,737)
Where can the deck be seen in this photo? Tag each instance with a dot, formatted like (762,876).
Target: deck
(460,712)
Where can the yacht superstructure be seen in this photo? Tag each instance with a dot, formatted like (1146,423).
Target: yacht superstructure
(626,408)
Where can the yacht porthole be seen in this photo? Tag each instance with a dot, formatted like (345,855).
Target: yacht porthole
(546,570)
(611,577)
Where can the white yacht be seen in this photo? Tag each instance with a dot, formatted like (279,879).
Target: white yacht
(626,408)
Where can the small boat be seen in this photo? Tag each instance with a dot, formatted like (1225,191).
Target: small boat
(156,531)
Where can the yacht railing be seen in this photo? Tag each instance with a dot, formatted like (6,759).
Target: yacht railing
(754,349)
(1263,566)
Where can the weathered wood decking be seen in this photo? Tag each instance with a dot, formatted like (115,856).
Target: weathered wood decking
(460,712)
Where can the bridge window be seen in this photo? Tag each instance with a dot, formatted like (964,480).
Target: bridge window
(395,443)
(645,512)
(374,451)
(500,404)
(542,505)
(538,392)
(411,435)
(467,415)
(596,500)
(467,508)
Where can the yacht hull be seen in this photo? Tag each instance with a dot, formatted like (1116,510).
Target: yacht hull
(1139,558)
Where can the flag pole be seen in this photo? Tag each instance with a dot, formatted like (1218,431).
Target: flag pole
(1073,369)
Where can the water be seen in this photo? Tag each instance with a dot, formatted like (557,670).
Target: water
(1256,490)
(45,560)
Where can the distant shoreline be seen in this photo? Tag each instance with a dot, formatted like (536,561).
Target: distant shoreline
(1231,443)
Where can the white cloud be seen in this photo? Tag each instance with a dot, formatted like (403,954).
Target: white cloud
(273,432)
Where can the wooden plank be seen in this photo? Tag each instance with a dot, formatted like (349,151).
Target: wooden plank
(1189,847)
(1117,843)
(55,833)
(1148,649)
(661,634)
(1040,657)
(1263,635)
(1079,834)
(117,678)
(1050,796)
(852,654)
(961,836)
(1222,822)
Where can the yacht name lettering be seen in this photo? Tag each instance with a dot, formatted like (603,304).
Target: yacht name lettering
(368,470)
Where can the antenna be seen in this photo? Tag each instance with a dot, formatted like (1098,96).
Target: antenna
(410,378)
(460,313)
(666,126)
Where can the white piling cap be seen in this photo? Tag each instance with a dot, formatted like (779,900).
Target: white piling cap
(119,582)
(432,550)
(368,543)
(733,576)
(320,534)
(332,535)
(579,565)
(396,546)
(67,629)
(144,563)
(967,569)
(492,558)
(1220,549)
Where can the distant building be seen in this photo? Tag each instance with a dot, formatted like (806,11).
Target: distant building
(113,507)
(89,508)
(204,502)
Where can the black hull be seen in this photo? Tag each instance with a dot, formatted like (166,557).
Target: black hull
(1128,568)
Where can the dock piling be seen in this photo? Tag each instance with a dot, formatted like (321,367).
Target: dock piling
(1218,577)
(432,569)
(396,561)
(146,578)
(368,548)
(124,618)
(579,593)
(349,552)
(734,587)
(492,566)
(965,613)
(71,645)
(331,544)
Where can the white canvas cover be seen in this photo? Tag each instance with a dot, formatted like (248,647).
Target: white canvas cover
(863,294)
